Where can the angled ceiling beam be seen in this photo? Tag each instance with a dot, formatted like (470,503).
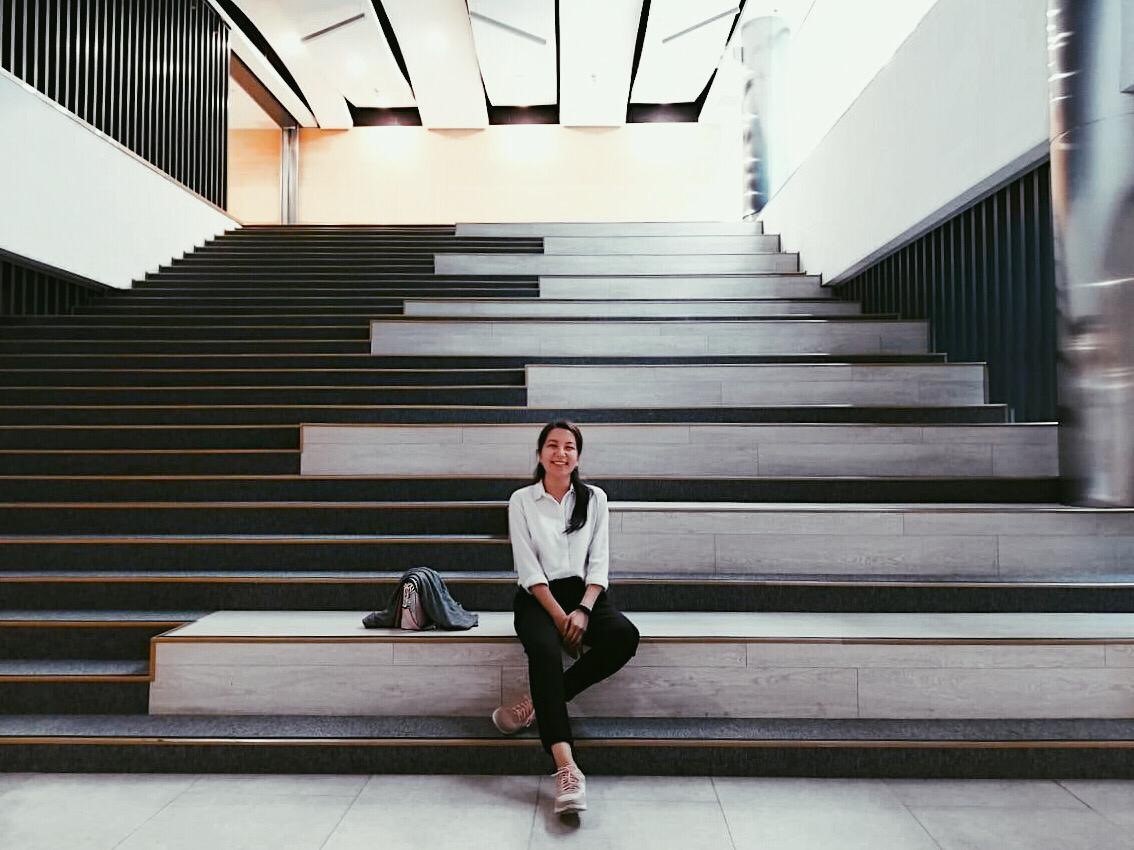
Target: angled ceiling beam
(258,64)
(596,59)
(353,54)
(684,43)
(516,50)
(281,24)
(436,41)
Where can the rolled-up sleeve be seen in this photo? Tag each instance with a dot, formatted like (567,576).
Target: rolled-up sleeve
(598,555)
(523,551)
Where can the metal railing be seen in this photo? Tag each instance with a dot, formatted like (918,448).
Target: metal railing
(985,282)
(28,291)
(151,74)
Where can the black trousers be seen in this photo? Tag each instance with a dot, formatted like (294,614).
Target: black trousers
(611,638)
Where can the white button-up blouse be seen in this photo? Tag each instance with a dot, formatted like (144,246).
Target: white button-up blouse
(541,548)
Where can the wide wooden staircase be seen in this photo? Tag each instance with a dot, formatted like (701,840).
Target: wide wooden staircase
(843,559)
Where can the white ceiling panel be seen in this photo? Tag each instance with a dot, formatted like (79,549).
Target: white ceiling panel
(284,23)
(259,65)
(596,56)
(354,55)
(436,40)
(683,46)
(515,46)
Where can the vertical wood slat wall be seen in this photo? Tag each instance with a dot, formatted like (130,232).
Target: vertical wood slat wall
(985,281)
(151,74)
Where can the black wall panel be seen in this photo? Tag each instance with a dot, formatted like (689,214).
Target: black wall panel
(151,74)
(985,281)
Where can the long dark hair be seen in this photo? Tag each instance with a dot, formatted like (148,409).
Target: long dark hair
(582,491)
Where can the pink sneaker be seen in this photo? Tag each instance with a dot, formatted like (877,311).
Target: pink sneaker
(510,719)
(570,790)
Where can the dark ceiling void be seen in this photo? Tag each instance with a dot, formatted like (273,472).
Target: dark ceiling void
(659,113)
(257,38)
(548,114)
(399,116)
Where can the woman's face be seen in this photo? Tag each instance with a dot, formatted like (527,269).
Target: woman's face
(560,454)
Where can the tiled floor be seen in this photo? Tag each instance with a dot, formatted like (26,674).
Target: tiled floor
(172,812)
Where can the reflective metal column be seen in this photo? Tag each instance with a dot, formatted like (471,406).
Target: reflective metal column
(1092,173)
(762,41)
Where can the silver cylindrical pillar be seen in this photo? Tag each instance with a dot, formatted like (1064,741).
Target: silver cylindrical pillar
(1092,175)
(289,175)
(762,44)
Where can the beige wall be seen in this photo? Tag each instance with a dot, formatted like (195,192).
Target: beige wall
(254,176)
(519,172)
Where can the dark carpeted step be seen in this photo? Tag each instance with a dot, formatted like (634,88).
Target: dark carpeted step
(338,257)
(290,230)
(493,591)
(247,552)
(324,273)
(342,330)
(30,437)
(973,749)
(108,634)
(43,669)
(144,320)
(376,377)
(353,285)
(152,462)
(255,315)
(372,361)
(306,298)
(252,395)
(126,345)
(278,415)
(74,695)
(242,518)
(645,489)
(374,241)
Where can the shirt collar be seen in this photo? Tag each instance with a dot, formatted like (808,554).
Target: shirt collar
(541,493)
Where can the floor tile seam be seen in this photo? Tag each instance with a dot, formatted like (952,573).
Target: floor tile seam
(924,828)
(535,813)
(145,821)
(346,811)
(724,814)
(1062,784)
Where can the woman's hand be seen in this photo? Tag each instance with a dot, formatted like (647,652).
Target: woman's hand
(572,631)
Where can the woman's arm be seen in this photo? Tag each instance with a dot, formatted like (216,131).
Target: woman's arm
(597,570)
(524,556)
(575,624)
(542,594)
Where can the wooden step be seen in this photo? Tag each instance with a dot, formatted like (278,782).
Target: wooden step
(895,666)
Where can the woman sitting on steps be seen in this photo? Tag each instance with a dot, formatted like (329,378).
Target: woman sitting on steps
(559,528)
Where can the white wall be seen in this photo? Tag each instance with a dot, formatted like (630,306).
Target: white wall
(835,52)
(519,172)
(961,106)
(831,52)
(77,201)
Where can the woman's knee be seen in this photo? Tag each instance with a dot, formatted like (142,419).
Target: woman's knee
(626,638)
